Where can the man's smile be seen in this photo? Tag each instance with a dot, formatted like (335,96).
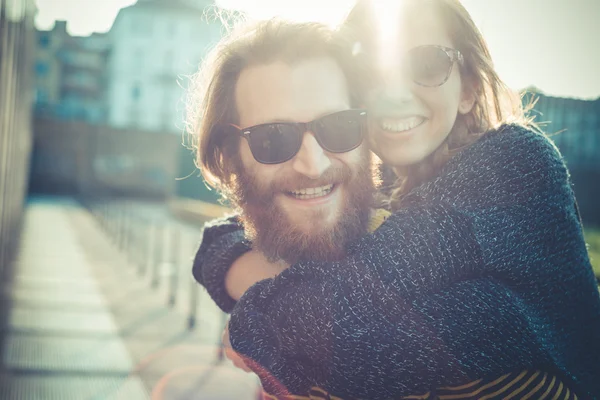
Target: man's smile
(311,193)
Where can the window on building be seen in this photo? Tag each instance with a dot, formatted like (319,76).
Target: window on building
(134,117)
(141,25)
(168,61)
(136,92)
(44,40)
(134,25)
(146,28)
(41,68)
(171,30)
(138,60)
(41,95)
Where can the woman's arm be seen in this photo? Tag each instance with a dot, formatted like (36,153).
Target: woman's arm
(496,202)
(318,319)
(358,346)
(489,220)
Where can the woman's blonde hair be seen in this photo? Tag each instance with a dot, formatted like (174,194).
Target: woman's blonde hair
(495,104)
(211,99)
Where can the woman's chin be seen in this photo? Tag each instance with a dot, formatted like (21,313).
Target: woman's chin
(399,156)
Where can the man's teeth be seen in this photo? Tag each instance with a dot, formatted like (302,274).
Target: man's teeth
(311,193)
(401,125)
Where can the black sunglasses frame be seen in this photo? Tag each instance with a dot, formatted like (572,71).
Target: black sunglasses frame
(454,55)
(302,128)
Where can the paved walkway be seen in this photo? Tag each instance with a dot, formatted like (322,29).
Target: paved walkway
(80,320)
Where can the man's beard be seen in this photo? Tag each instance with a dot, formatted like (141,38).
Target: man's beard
(272,232)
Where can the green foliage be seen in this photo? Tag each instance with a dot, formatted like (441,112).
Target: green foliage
(592,238)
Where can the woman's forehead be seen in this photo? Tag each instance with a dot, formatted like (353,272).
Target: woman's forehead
(422,24)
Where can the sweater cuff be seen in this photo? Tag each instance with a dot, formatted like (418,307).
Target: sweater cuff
(221,245)
(211,232)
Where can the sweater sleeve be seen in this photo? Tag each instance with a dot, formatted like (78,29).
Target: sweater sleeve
(223,241)
(383,345)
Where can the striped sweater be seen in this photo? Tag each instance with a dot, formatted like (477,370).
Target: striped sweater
(523,385)
(483,272)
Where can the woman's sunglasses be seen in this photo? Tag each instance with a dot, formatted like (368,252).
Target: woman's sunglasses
(279,142)
(431,65)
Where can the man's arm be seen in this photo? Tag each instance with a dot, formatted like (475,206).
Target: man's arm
(225,264)
(249,268)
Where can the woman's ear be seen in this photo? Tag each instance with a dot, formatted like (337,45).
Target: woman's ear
(467,97)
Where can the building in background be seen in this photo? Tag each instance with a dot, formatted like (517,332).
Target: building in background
(117,88)
(134,76)
(48,68)
(574,126)
(71,75)
(156,46)
(84,78)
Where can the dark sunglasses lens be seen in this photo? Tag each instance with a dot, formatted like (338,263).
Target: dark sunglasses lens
(342,131)
(429,66)
(274,143)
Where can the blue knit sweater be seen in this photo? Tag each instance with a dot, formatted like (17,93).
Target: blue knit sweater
(484,271)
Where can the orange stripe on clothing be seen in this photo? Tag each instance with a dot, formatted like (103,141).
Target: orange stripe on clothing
(481,389)
(535,389)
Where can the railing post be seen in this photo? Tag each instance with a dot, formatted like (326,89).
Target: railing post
(158,244)
(192,317)
(175,242)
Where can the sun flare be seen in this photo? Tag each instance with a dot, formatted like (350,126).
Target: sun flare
(387,14)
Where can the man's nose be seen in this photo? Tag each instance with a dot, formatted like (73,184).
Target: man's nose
(311,161)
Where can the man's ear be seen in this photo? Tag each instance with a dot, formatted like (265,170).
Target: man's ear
(467,97)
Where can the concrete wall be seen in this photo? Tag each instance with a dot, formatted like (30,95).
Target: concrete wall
(77,158)
(574,126)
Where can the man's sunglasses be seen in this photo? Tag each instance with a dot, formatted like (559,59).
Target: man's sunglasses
(431,65)
(279,142)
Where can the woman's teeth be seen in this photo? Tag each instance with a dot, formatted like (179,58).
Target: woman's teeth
(311,193)
(400,125)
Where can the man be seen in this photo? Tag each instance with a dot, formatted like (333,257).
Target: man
(307,198)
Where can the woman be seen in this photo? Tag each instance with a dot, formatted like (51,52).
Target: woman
(478,284)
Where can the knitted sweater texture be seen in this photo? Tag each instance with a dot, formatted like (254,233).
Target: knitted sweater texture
(482,272)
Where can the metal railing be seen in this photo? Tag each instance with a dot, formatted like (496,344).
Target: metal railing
(159,247)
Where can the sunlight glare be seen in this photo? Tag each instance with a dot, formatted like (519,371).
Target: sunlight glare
(388,15)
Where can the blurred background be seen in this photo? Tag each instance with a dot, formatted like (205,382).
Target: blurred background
(101,204)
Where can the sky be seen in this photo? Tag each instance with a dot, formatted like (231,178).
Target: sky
(551,44)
